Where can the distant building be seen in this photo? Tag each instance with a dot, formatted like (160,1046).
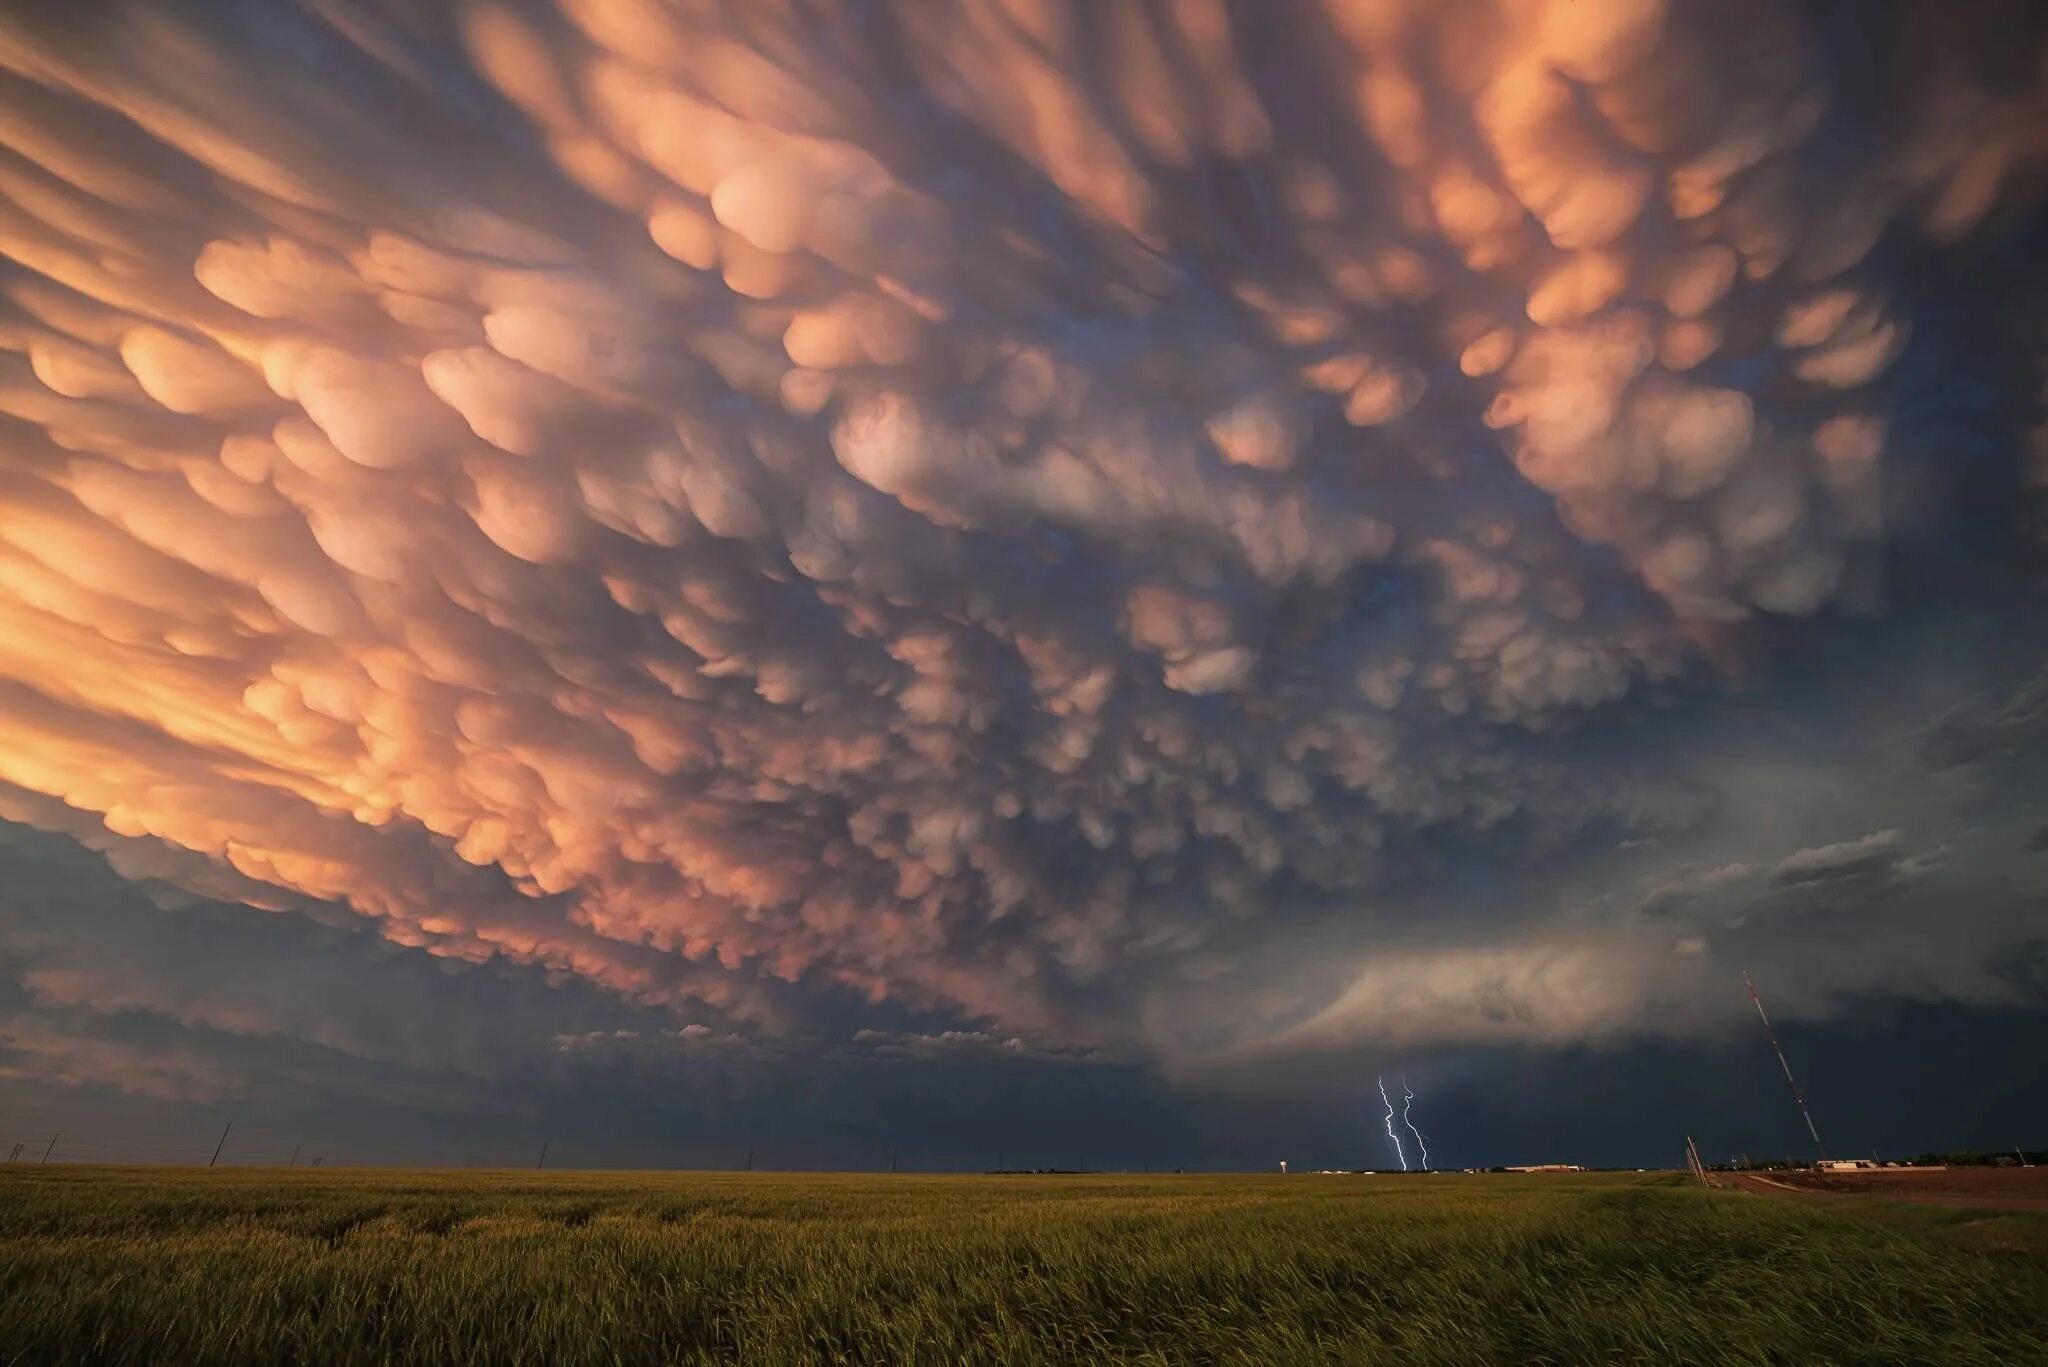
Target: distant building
(1848,1164)
(1547,1167)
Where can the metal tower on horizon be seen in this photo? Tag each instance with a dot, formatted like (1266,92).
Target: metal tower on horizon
(1797,1095)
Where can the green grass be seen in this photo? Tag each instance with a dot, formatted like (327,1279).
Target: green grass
(262,1266)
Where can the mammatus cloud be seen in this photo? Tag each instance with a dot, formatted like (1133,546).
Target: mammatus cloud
(984,511)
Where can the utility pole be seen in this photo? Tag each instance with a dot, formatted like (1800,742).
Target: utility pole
(223,1144)
(892,1160)
(1797,1095)
(53,1144)
(750,1158)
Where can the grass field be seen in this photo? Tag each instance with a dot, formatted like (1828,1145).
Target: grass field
(101,1265)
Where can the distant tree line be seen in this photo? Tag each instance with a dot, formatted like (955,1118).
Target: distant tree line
(1964,1158)
(1970,1158)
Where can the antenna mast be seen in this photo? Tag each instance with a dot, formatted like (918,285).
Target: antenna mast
(1797,1095)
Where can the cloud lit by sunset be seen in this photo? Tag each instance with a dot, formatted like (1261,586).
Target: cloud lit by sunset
(665,549)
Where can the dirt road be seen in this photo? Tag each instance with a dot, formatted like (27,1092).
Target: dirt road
(1978,1188)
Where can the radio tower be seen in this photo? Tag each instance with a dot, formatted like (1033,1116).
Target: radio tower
(1797,1095)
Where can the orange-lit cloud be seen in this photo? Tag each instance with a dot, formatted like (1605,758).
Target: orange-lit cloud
(958,504)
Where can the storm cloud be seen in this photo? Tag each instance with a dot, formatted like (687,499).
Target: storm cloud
(1027,533)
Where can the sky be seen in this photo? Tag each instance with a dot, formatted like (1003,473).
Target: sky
(974,582)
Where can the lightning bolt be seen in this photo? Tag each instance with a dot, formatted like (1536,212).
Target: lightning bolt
(1406,1097)
(1398,1151)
